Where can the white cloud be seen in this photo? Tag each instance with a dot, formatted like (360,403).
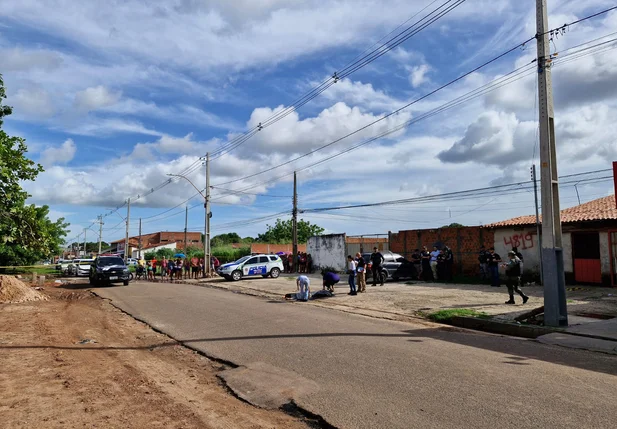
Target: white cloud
(95,98)
(62,154)
(418,74)
(18,59)
(33,101)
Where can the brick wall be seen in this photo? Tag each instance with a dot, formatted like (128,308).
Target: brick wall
(275,248)
(464,242)
(193,238)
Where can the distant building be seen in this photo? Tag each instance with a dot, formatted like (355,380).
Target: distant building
(158,240)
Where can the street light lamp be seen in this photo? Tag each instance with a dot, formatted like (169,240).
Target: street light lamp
(207,215)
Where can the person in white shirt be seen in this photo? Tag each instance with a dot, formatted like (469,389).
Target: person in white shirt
(351,270)
(434,255)
(304,288)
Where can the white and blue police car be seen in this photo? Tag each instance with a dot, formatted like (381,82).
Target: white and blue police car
(255,265)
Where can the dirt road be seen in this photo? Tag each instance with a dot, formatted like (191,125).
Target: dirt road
(75,361)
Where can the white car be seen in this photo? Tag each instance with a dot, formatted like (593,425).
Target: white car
(256,265)
(82,269)
(131,261)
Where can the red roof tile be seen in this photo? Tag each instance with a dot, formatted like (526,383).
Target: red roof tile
(600,209)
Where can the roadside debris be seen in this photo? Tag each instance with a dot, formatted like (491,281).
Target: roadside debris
(13,290)
(86,341)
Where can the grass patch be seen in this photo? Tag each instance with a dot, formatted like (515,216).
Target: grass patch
(570,301)
(443,316)
(46,270)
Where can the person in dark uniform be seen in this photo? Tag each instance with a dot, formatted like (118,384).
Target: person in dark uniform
(448,261)
(427,273)
(377,261)
(513,273)
(493,259)
(416,260)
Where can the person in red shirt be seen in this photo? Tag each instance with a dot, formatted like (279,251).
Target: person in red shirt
(194,267)
(153,262)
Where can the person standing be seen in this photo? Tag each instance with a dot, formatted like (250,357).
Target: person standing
(483,260)
(376,262)
(448,263)
(513,273)
(351,270)
(163,268)
(519,255)
(493,259)
(361,270)
(427,273)
(194,267)
(416,260)
(434,258)
(309,263)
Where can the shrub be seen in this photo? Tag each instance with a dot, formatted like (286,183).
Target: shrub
(229,254)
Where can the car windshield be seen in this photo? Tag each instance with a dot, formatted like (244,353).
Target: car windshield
(242,259)
(106,262)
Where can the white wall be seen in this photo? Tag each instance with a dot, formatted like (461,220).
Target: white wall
(135,253)
(328,251)
(527,242)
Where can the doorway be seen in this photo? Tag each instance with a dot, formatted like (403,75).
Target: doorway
(586,255)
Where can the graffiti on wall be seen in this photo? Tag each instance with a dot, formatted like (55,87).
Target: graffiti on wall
(522,241)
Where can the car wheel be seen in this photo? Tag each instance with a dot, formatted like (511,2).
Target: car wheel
(236,275)
(384,275)
(275,272)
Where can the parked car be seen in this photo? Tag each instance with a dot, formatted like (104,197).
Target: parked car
(71,269)
(131,262)
(83,267)
(107,270)
(394,267)
(63,266)
(256,265)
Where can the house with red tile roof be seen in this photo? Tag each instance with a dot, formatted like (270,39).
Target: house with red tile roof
(589,241)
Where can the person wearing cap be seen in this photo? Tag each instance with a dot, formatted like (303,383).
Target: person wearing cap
(513,273)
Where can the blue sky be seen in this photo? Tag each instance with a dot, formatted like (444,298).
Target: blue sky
(113,97)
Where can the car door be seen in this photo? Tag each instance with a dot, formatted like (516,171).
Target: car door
(250,267)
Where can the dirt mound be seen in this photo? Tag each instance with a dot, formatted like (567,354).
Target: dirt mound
(13,290)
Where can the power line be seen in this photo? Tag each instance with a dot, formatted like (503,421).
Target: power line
(509,78)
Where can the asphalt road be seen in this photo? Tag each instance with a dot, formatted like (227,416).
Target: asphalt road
(373,373)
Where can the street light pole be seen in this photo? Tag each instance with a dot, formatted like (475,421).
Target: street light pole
(207,215)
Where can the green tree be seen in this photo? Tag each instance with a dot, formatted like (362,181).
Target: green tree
(26,233)
(454,225)
(282,230)
(224,239)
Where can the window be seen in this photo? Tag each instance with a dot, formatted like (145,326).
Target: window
(274,258)
(263,259)
(253,260)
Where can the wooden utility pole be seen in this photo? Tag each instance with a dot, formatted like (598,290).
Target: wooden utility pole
(126,237)
(294,225)
(555,309)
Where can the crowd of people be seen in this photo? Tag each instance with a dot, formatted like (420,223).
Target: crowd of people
(174,269)
(304,263)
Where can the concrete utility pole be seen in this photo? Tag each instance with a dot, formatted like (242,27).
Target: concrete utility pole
(294,225)
(534,179)
(139,239)
(100,232)
(207,255)
(553,277)
(85,242)
(186,225)
(126,238)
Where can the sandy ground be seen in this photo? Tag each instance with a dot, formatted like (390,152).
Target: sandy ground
(397,300)
(75,361)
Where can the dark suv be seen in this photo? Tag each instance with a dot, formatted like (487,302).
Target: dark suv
(109,269)
(394,266)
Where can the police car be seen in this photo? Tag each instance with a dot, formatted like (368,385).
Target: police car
(255,265)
